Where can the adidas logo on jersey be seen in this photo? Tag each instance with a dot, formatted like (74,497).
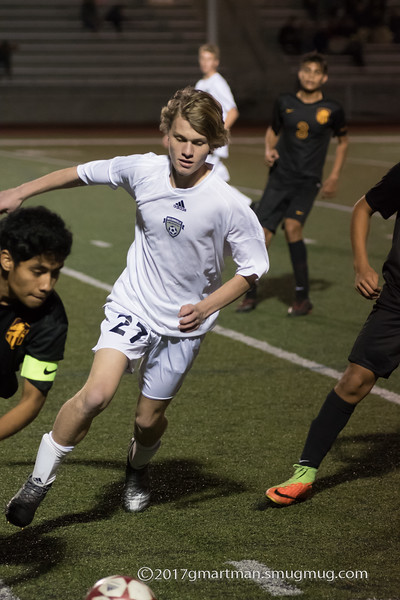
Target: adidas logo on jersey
(180,205)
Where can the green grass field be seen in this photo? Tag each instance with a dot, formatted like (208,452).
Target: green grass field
(235,428)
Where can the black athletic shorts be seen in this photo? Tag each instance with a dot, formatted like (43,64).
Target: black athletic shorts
(286,200)
(377,346)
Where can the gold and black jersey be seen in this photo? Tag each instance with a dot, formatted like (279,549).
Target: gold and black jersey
(305,131)
(33,336)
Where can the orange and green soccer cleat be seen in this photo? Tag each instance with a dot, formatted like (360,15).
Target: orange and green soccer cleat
(295,489)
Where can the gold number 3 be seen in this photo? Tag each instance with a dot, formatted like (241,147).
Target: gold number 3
(302,130)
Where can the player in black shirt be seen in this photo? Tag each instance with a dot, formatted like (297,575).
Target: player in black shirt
(296,144)
(34,243)
(376,351)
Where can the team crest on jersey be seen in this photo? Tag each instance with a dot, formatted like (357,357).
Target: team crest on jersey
(173,226)
(323,115)
(17,332)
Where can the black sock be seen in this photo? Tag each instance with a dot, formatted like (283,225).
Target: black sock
(252,293)
(325,428)
(298,256)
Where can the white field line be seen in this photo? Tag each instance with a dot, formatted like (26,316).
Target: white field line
(321,203)
(70,142)
(370,162)
(154,139)
(253,343)
(100,244)
(264,577)
(356,139)
(298,360)
(87,279)
(61,162)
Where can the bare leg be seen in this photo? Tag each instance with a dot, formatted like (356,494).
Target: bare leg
(75,416)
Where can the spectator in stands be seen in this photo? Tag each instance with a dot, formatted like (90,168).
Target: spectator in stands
(290,36)
(394,24)
(89,15)
(321,37)
(115,16)
(346,38)
(6,51)
(312,7)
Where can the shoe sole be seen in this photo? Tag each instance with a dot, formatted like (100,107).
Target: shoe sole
(14,520)
(143,504)
(286,500)
(245,309)
(299,314)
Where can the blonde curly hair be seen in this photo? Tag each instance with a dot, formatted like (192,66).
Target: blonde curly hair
(202,112)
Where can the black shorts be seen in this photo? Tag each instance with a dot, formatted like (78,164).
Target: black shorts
(377,346)
(286,200)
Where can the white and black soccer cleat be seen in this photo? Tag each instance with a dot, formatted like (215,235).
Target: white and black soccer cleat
(137,489)
(22,507)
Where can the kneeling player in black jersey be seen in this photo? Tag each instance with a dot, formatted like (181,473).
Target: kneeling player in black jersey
(34,243)
(296,144)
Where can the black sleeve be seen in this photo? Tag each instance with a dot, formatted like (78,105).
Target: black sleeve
(384,197)
(47,339)
(8,385)
(42,386)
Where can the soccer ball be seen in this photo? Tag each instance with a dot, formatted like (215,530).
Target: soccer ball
(120,587)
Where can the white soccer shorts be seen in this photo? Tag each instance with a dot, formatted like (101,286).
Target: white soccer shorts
(161,362)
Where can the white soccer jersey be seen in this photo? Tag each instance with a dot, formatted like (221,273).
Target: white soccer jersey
(218,87)
(181,237)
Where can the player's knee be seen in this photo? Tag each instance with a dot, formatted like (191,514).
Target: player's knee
(146,423)
(293,230)
(92,401)
(355,383)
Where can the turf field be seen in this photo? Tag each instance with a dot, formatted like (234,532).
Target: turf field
(235,428)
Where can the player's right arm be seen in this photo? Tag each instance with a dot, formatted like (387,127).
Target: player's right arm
(231,117)
(27,409)
(271,153)
(366,278)
(12,198)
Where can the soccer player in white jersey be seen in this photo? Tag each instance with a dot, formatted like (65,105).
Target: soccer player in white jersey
(213,83)
(168,296)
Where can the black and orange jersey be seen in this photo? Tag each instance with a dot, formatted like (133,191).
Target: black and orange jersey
(34,337)
(305,131)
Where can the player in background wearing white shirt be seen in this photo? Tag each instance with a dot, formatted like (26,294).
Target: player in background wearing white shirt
(168,296)
(213,83)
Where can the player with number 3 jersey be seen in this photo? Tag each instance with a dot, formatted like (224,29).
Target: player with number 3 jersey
(296,145)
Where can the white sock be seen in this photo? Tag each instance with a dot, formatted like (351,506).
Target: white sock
(140,455)
(48,459)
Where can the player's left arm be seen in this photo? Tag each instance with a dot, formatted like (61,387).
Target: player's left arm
(27,409)
(191,316)
(329,186)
